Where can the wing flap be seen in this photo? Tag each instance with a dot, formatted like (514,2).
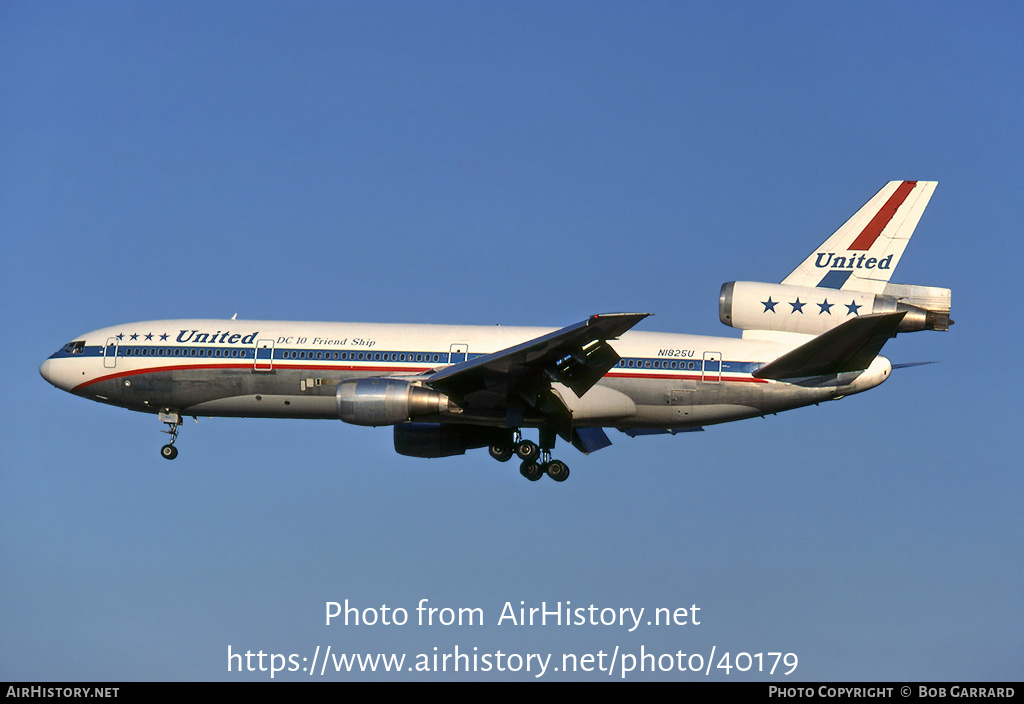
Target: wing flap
(577,356)
(588,440)
(850,347)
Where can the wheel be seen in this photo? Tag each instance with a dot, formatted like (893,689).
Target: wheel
(531,470)
(168,452)
(527,450)
(558,470)
(501,452)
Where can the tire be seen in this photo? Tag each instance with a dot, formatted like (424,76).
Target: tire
(558,470)
(501,452)
(527,450)
(531,470)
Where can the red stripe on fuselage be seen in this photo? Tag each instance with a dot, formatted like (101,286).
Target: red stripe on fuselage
(154,370)
(377,369)
(870,233)
(278,366)
(684,377)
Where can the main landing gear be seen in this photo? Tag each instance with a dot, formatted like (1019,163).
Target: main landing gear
(173,422)
(536,459)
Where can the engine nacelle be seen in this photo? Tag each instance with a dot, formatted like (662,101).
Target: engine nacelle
(387,401)
(445,439)
(749,305)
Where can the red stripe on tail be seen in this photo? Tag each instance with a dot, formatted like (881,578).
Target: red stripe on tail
(867,238)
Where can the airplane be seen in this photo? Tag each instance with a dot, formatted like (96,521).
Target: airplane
(445,389)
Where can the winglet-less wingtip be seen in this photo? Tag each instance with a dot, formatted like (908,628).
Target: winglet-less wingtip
(614,324)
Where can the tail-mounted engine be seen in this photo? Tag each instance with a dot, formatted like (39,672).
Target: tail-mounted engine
(749,305)
(387,401)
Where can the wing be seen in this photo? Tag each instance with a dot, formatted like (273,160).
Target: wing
(519,379)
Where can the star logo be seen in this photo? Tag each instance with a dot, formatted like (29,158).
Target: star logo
(853,308)
(149,336)
(164,336)
(826,307)
(120,336)
(769,305)
(134,336)
(798,307)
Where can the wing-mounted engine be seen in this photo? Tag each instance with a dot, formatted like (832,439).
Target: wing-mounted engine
(749,305)
(388,401)
(445,439)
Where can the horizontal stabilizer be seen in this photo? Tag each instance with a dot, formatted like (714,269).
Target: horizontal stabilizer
(907,365)
(848,348)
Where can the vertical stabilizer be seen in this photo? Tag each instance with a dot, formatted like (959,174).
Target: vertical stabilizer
(863,253)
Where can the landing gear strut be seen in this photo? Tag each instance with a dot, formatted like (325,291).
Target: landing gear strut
(173,422)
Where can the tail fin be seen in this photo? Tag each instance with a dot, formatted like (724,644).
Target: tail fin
(863,253)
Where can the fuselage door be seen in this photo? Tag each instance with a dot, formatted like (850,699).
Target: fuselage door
(712,367)
(264,356)
(110,353)
(458,353)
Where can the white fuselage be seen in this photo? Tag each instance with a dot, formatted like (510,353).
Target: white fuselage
(292,370)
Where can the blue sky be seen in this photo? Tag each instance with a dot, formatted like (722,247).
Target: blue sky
(524,164)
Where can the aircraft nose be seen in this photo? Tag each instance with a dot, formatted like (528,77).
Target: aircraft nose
(45,370)
(54,373)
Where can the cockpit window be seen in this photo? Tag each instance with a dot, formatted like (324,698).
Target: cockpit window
(76,347)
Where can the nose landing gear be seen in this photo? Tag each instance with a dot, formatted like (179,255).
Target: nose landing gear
(173,422)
